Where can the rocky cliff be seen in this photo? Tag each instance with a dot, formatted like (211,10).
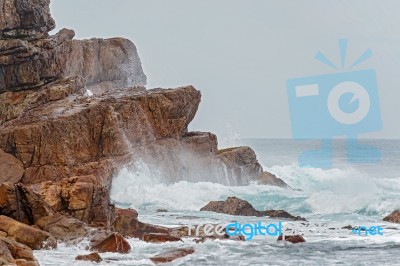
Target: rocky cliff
(63,146)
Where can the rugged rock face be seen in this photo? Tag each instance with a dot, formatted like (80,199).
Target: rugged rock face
(113,243)
(236,206)
(70,145)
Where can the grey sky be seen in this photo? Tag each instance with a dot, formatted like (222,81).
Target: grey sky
(240,53)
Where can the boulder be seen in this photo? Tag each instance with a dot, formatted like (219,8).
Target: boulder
(172,255)
(113,243)
(236,206)
(292,238)
(13,253)
(394,217)
(27,235)
(231,206)
(267,178)
(11,168)
(65,228)
(242,162)
(159,238)
(95,257)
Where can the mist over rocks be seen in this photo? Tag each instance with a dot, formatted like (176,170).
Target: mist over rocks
(61,148)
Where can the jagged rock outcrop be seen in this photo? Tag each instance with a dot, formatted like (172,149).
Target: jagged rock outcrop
(70,145)
(394,217)
(11,168)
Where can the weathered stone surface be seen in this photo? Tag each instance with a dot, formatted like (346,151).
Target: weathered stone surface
(293,239)
(105,64)
(113,243)
(172,255)
(27,235)
(394,217)
(15,253)
(11,169)
(95,257)
(64,228)
(242,162)
(25,18)
(21,203)
(123,220)
(14,104)
(236,206)
(270,179)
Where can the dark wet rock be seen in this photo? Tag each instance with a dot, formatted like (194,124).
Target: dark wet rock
(95,257)
(293,239)
(172,255)
(113,243)
(236,206)
(231,206)
(394,217)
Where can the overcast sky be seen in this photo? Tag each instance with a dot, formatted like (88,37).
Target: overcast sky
(240,53)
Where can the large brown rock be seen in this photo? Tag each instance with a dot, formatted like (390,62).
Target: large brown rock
(95,257)
(242,163)
(14,253)
(172,255)
(11,169)
(21,203)
(113,243)
(270,179)
(105,64)
(292,238)
(25,18)
(394,217)
(25,234)
(65,228)
(236,206)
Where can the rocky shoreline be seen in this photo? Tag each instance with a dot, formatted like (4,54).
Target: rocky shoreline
(73,113)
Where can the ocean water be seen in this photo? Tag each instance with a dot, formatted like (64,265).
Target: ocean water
(346,194)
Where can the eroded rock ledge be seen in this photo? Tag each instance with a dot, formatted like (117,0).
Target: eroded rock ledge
(60,147)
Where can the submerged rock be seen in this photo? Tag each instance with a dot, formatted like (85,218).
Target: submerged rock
(292,238)
(236,206)
(95,257)
(394,217)
(270,179)
(172,255)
